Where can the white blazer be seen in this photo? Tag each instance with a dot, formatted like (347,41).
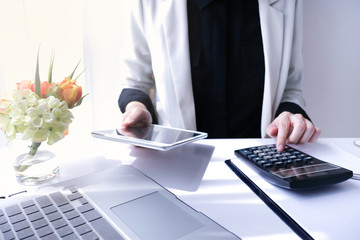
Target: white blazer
(156,54)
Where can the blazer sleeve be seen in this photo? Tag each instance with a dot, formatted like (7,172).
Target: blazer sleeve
(293,88)
(135,58)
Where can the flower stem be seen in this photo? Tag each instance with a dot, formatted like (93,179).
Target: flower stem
(33,148)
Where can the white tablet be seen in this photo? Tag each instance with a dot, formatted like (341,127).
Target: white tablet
(152,136)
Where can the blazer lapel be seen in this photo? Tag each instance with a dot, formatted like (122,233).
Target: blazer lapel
(272,29)
(175,26)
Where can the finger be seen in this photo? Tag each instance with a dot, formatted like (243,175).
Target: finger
(272,130)
(124,119)
(132,118)
(283,124)
(299,127)
(140,117)
(316,135)
(309,132)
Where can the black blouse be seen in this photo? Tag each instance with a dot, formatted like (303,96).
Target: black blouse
(227,65)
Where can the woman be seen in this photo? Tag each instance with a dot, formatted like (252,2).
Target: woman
(232,68)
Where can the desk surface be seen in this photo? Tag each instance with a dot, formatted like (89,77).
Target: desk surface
(197,174)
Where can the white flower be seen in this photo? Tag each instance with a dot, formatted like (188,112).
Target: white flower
(56,133)
(26,95)
(62,117)
(40,114)
(19,113)
(7,127)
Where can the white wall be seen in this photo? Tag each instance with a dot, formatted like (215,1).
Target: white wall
(103,23)
(332,65)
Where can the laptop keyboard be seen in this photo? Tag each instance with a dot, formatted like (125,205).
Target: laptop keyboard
(55,216)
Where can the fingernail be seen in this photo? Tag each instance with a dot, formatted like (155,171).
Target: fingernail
(280,147)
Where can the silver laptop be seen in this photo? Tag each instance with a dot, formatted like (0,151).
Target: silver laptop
(117,203)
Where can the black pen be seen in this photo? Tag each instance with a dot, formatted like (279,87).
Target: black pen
(269,202)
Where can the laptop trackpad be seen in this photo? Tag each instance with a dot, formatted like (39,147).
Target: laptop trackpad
(155,217)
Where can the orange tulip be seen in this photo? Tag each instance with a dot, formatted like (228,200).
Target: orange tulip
(46,88)
(69,91)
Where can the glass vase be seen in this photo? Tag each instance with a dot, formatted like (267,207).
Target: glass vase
(36,169)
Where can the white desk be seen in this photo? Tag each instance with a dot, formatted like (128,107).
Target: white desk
(197,174)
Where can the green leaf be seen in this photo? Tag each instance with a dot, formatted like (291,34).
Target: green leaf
(79,74)
(72,74)
(80,100)
(51,67)
(37,77)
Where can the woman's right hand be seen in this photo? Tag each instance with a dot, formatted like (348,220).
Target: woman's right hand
(135,115)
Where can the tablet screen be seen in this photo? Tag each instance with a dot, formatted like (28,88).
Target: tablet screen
(151,136)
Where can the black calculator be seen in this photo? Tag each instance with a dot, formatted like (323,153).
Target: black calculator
(291,168)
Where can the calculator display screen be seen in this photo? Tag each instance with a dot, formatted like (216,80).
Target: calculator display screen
(305,170)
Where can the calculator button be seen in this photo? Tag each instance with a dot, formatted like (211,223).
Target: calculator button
(252,156)
(267,165)
(258,159)
(246,152)
(298,160)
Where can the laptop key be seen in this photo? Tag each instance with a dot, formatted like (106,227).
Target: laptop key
(21,225)
(91,215)
(17,218)
(35,216)
(5,227)
(50,237)
(59,199)
(3,220)
(72,214)
(73,189)
(66,208)
(105,230)
(31,209)
(39,223)
(59,223)
(71,237)
(27,204)
(25,233)
(9,235)
(43,201)
(49,209)
(74,196)
(64,231)
(75,222)
(42,232)
(54,216)
(82,229)
(85,208)
(90,236)
(32,238)
(12,210)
